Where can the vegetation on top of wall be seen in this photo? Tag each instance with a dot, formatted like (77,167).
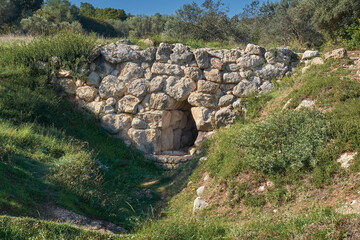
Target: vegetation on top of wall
(70,50)
(302,23)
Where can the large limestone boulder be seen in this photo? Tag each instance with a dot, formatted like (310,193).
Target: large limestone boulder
(147,140)
(138,88)
(163,52)
(114,53)
(203,136)
(111,87)
(177,133)
(227,87)
(207,86)
(157,83)
(86,93)
(178,119)
(199,99)
(272,71)
(156,119)
(226,100)
(114,123)
(148,55)
(245,87)
(203,118)
(167,139)
(279,55)
(167,69)
(253,49)
(213,75)
(230,56)
(336,54)
(250,61)
(137,123)
(128,104)
(202,58)
(266,87)
(181,54)
(193,72)
(231,77)
(131,71)
(108,109)
(218,53)
(94,107)
(162,101)
(93,79)
(179,88)
(224,117)
(232,67)
(217,64)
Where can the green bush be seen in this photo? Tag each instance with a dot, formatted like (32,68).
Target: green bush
(351,35)
(285,140)
(70,49)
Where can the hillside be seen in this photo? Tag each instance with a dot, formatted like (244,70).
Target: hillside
(277,173)
(274,174)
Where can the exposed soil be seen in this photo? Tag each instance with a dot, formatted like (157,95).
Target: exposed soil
(62,215)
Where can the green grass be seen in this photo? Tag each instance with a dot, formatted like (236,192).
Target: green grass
(52,153)
(15,228)
(246,155)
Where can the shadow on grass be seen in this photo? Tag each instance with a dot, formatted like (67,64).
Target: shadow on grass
(112,194)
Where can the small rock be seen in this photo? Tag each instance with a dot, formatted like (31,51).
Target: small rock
(111,101)
(254,49)
(108,109)
(199,204)
(317,61)
(287,104)
(203,159)
(64,74)
(206,178)
(305,69)
(138,124)
(200,190)
(345,159)
(306,104)
(310,54)
(336,54)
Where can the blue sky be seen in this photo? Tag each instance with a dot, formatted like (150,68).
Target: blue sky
(150,7)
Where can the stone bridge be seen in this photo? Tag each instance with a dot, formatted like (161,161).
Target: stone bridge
(166,99)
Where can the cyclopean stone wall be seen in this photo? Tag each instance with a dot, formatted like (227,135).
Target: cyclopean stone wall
(166,98)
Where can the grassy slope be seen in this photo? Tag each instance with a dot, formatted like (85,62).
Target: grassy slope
(303,199)
(49,153)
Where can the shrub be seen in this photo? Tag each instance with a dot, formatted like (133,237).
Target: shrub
(351,35)
(285,140)
(70,49)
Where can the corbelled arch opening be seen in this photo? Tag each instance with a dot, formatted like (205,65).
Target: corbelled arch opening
(179,135)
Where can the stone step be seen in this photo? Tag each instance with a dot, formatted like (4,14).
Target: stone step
(171,161)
